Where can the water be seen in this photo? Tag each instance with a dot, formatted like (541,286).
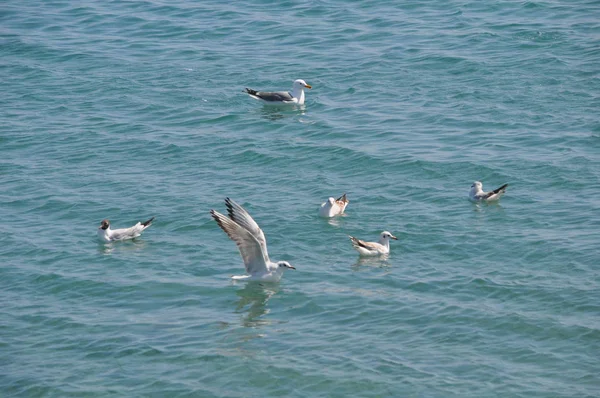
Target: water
(126,110)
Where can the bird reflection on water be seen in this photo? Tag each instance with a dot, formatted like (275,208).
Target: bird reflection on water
(252,303)
(274,113)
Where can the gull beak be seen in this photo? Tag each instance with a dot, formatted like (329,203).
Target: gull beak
(308,86)
(393,237)
(292,267)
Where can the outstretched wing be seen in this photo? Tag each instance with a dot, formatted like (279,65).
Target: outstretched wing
(238,214)
(250,248)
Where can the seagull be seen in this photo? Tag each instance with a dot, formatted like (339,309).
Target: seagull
(373,248)
(476,194)
(334,207)
(251,242)
(296,97)
(108,235)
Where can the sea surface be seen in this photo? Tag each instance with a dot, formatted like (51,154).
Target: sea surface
(131,109)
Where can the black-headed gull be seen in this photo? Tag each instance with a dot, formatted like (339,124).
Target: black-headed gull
(282,97)
(251,242)
(334,207)
(109,235)
(476,193)
(373,248)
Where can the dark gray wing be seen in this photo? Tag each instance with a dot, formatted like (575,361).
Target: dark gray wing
(271,96)
(496,191)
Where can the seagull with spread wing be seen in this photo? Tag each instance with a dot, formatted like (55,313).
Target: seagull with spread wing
(251,242)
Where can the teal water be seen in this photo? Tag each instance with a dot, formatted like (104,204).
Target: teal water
(126,110)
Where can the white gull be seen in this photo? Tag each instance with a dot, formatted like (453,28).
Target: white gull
(109,235)
(296,97)
(476,194)
(334,207)
(373,248)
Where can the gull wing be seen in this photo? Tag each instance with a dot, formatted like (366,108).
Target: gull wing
(497,191)
(131,232)
(271,96)
(238,214)
(367,245)
(250,248)
(342,201)
(127,233)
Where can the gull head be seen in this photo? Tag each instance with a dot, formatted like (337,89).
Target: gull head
(386,236)
(285,264)
(301,84)
(331,201)
(477,186)
(104,224)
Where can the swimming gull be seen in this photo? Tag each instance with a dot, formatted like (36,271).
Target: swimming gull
(108,235)
(373,248)
(477,194)
(334,207)
(251,243)
(296,97)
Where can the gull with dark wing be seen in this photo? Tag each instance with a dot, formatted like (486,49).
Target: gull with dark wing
(110,235)
(296,97)
(476,194)
(334,207)
(251,242)
(373,248)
